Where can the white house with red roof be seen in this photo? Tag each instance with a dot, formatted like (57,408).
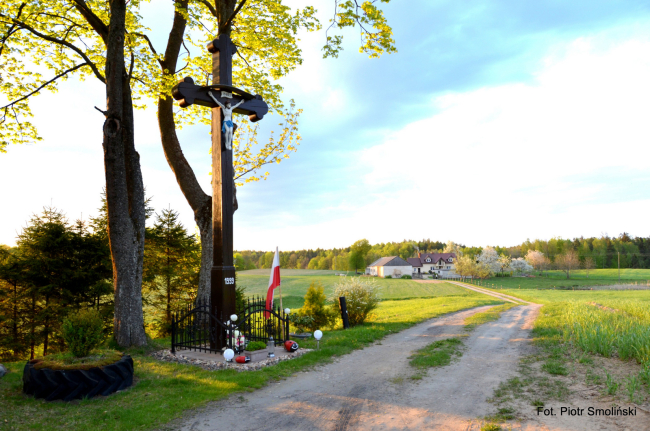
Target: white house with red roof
(442,264)
(393,266)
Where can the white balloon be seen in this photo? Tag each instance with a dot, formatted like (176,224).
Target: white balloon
(287,311)
(228,354)
(233,317)
(318,334)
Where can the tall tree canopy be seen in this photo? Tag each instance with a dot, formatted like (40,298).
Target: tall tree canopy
(108,41)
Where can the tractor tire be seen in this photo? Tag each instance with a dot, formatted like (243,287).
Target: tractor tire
(70,385)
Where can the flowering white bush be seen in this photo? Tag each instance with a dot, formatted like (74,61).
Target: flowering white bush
(490,258)
(361,297)
(520,266)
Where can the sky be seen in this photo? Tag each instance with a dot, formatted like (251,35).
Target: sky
(496,121)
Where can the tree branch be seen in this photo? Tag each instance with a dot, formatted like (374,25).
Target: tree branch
(64,43)
(131,65)
(46,84)
(234,13)
(145,37)
(207,4)
(11,30)
(95,22)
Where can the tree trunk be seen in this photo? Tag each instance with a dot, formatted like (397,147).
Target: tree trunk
(46,326)
(15,309)
(200,202)
(124,189)
(32,330)
(169,288)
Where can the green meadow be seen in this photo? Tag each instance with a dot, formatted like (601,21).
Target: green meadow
(611,323)
(558,280)
(611,274)
(295,283)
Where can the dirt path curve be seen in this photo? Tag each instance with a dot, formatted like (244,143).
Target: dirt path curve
(502,296)
(370,389)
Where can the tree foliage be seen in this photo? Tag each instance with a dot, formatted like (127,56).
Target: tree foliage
(316,308)
(67,39)
(173,260)
(55,268)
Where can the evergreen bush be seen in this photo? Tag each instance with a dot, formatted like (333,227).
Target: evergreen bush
(255,345)
(388,276)
(82,331)
(302,323)
(316,308)
(407,277)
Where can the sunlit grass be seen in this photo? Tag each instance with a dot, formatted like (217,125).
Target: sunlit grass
(490,315)
(437,354)
(295,287)
(557,280)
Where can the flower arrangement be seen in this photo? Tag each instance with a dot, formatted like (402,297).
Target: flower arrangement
(239,342)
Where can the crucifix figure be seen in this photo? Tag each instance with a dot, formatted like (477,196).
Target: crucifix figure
(227,127)
(218,97)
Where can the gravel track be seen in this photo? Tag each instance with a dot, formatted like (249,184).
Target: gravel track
(371,389)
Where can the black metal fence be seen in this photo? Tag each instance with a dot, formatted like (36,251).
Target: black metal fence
(257,323)
(197,329)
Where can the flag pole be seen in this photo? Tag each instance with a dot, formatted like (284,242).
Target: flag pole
(280,286)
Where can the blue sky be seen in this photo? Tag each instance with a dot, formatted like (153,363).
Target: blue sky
(495,122)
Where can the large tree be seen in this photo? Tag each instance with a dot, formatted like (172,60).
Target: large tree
(86,38)
(171,254)
(568,262)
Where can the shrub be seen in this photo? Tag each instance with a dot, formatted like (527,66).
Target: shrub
(82,331)
(388,276)
(255,345)
(316,308)
(361,296)
(240,298)
(407,277)
(302,323)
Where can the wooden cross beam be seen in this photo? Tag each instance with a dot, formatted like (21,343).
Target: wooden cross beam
(222,283)
(188,93)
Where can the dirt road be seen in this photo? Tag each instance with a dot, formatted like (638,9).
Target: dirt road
(371,388)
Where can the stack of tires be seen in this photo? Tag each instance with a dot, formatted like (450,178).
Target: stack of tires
(69,385)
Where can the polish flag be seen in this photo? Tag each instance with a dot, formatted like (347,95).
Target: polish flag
(274,281)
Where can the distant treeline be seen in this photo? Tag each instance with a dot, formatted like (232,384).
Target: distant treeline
(336,258)
(634,252)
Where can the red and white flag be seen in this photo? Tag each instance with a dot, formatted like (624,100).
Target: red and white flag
(274,281)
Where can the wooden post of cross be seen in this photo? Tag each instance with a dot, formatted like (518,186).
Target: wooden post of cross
(223,99)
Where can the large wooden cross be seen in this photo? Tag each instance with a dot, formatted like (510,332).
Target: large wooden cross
(222,288)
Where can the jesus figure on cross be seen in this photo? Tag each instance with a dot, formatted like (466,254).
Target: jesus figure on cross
(227,127)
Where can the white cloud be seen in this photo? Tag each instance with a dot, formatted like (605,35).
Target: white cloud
(500,164)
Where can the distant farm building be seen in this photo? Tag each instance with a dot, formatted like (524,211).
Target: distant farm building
(394,266)
(442,264)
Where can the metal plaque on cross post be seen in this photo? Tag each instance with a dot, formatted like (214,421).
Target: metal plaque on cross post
(224,99)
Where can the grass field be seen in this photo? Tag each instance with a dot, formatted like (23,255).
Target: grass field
(606,322)
(610,274)
(302,272)
(295,286)
(551,283)
(597,338)
(163,391)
